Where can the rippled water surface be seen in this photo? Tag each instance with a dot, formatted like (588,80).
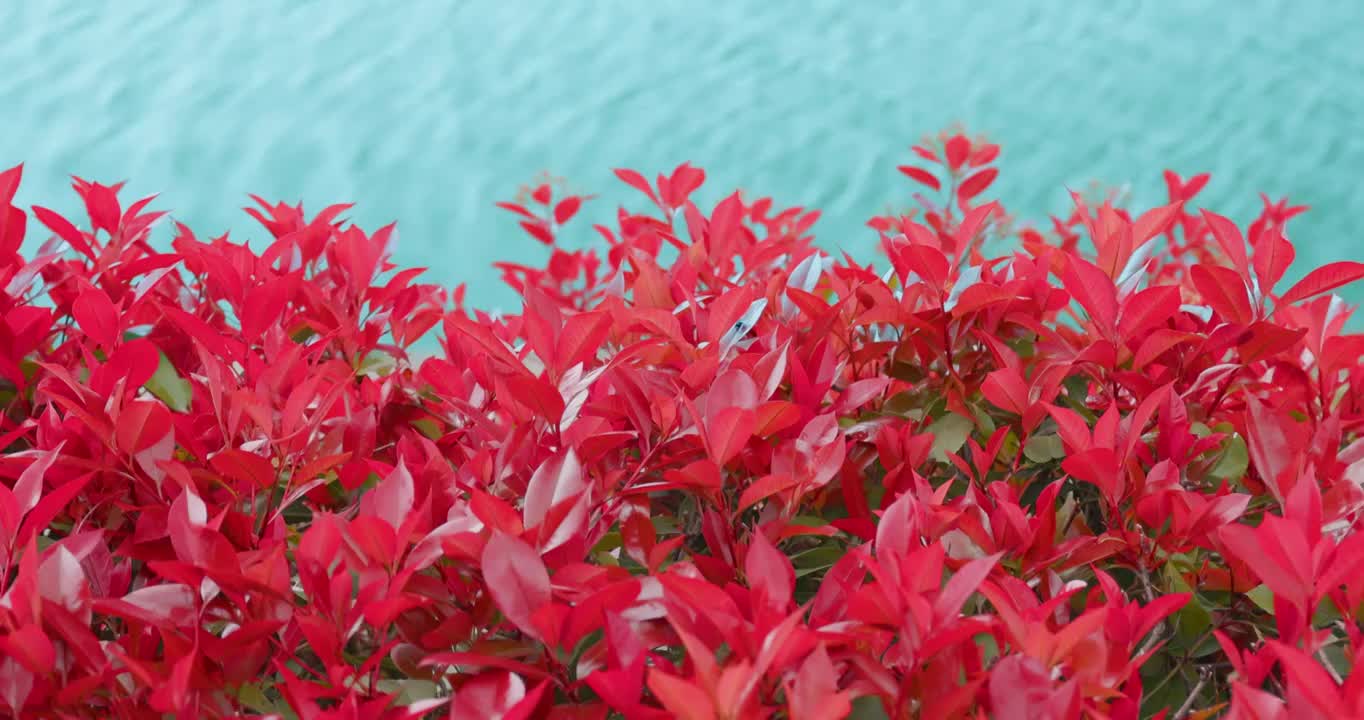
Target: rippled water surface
(426,111)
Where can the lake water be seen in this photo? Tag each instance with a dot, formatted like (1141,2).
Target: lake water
(427,112)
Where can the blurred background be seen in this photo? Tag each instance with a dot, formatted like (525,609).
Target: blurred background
(427,112)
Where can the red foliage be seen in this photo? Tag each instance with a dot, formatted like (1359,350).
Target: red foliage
(713,473)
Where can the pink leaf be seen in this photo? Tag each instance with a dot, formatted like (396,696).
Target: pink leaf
(517,580)
(187,519)
(392,498)
(769,572)
(961,585)
(29,487)
(556,480)
(728,432)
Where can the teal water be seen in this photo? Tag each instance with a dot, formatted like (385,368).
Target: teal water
(427,112)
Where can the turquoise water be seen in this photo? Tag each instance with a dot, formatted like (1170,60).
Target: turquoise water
(427,112)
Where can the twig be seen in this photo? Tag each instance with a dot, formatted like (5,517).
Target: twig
(1187,707)
(1321,655)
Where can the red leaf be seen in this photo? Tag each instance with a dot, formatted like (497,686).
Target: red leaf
(636,181)
(1325,278)
(976,184)
(1223,291)
(763,488)
(1007,390)
(957,149)
(769,572)
(567,208)
(1098,466)
(31,647)
(962,583)
(774,416)
(185,523)
(538,231)
(168,605)
(1149,308)
(984,154)
(1157,344)
(581,338)
(515,208)
(64,230)
(1311,679)
(1267,339)
(814,695)
(51,505)
(1154,222)
(249,468)
(517,580)
(683,699)
(1273,255)
(9,184)
(921,176)
(1094,290)
(29,487)
(101,203)
(728,432)
(557,480)
(142,424)
(1270,449)
(97,317)
(392,498)
(1230,239)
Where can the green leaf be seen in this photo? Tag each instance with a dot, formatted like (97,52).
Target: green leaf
(1043,448)
(253,697)
(1194,618)
(167,385)
(1326,613)
(409,690)
(868,707)
(904,404)
(428,428)
(1263,597)
(608,542)
(1234,460)
(817,559)
(983,419)
(949,434)
(376,365)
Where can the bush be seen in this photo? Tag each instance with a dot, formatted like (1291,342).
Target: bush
(713,473)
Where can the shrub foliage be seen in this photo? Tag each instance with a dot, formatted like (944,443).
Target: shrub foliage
(710,472)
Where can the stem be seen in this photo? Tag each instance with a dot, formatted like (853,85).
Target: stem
(1321,655)
(1187,707)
